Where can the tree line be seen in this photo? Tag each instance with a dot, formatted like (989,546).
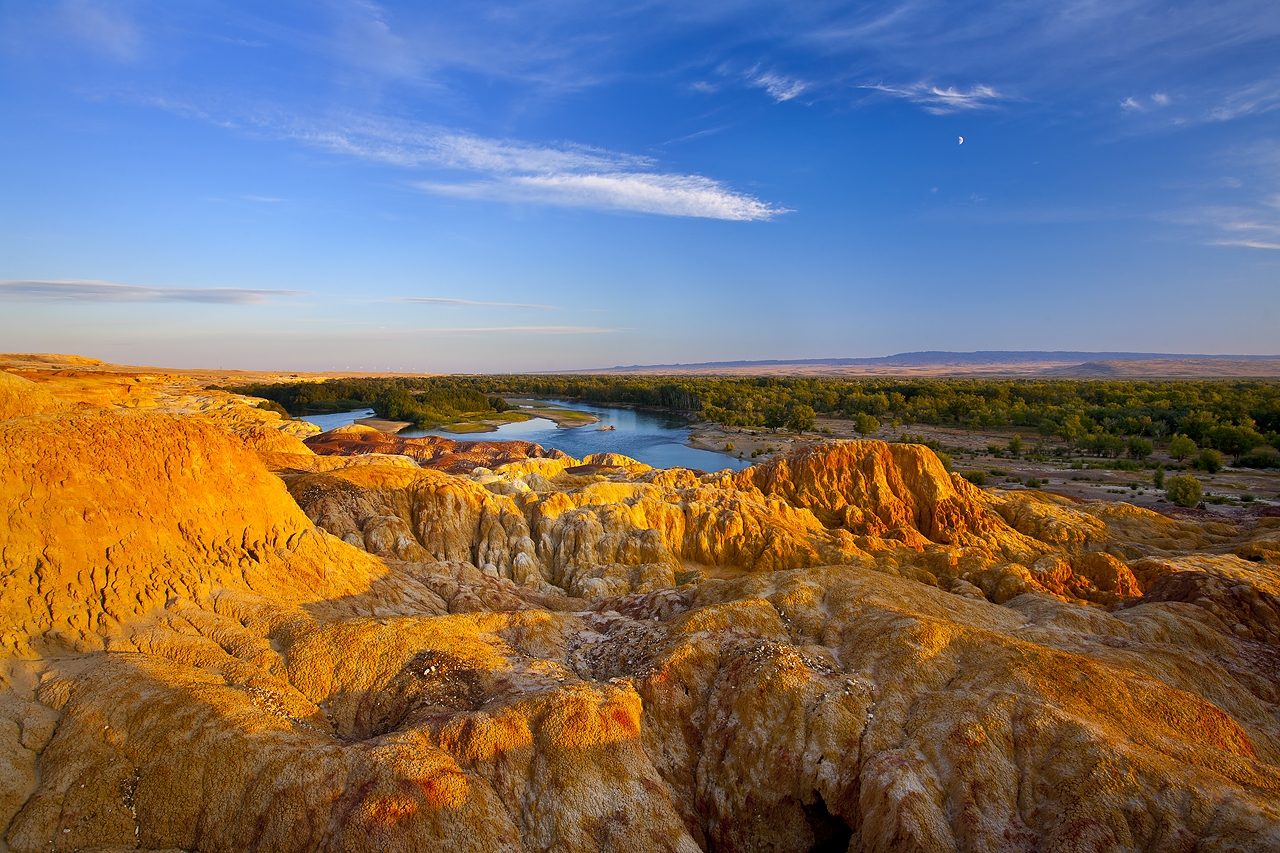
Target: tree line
(423,402)
(1088,416)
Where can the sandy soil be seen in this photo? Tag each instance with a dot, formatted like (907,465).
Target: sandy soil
(383,426)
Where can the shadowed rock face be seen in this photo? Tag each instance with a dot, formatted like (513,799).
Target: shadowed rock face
(863,653)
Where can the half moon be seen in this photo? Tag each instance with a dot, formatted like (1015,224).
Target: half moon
(962,140)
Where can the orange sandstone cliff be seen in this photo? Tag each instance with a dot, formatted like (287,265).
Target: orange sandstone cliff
(215,639)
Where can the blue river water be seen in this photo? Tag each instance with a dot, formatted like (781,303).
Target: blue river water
(649,437)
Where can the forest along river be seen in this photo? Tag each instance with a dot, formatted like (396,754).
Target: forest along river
(649,437)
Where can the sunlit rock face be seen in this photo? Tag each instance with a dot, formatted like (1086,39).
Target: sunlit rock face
(217,640)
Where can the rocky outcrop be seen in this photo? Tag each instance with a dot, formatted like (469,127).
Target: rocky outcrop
(20,398)
(846,650)
(872,488)
(110,514)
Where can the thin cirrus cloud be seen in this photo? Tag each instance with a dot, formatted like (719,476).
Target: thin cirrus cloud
(779,88)
(1249,244)
(1143,104)
(665,195)
(459,303)
(939,101)
(102,291)
(564,175)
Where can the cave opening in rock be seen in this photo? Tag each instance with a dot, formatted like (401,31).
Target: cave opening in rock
(830,833)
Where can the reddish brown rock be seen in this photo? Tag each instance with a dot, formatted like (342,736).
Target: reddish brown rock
(434,452)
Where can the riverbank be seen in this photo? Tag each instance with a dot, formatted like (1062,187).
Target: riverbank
(383,425)
(745,444)
(564,418)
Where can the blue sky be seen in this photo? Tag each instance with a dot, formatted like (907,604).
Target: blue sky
(547,185)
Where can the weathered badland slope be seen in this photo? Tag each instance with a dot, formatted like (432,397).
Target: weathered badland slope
(848,649)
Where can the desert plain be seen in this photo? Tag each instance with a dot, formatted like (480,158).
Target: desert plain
(222,631)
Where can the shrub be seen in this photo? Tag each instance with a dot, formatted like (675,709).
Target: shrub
(1261,459)
(1157,478)
(1184,490)
(978,478)
(273,406)
(728,445)
(1015,445)
(1209,460)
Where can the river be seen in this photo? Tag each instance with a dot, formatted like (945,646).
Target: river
(646,436)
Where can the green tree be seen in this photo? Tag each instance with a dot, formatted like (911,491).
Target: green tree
(775,415)
(865,424)
(1184,490)
(1209,460)
(1015,445)
(1180,447)
(1107,444)
(1235,440)
(801,418)
(1139,448)
(1157,477)
(1198,423)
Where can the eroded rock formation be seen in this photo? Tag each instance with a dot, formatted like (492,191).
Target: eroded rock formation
(217,640)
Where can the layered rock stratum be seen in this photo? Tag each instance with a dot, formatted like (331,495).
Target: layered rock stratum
(216,639)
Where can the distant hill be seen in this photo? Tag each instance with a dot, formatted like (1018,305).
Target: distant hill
(994,363)
(1223,367)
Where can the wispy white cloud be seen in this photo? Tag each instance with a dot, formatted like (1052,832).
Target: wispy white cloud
(565,175)
(265,199)
(101,291)
(458,303)
(941,101)
(779,88)
(1259,97)
(1251,244)
(666,195)
(1139,104)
